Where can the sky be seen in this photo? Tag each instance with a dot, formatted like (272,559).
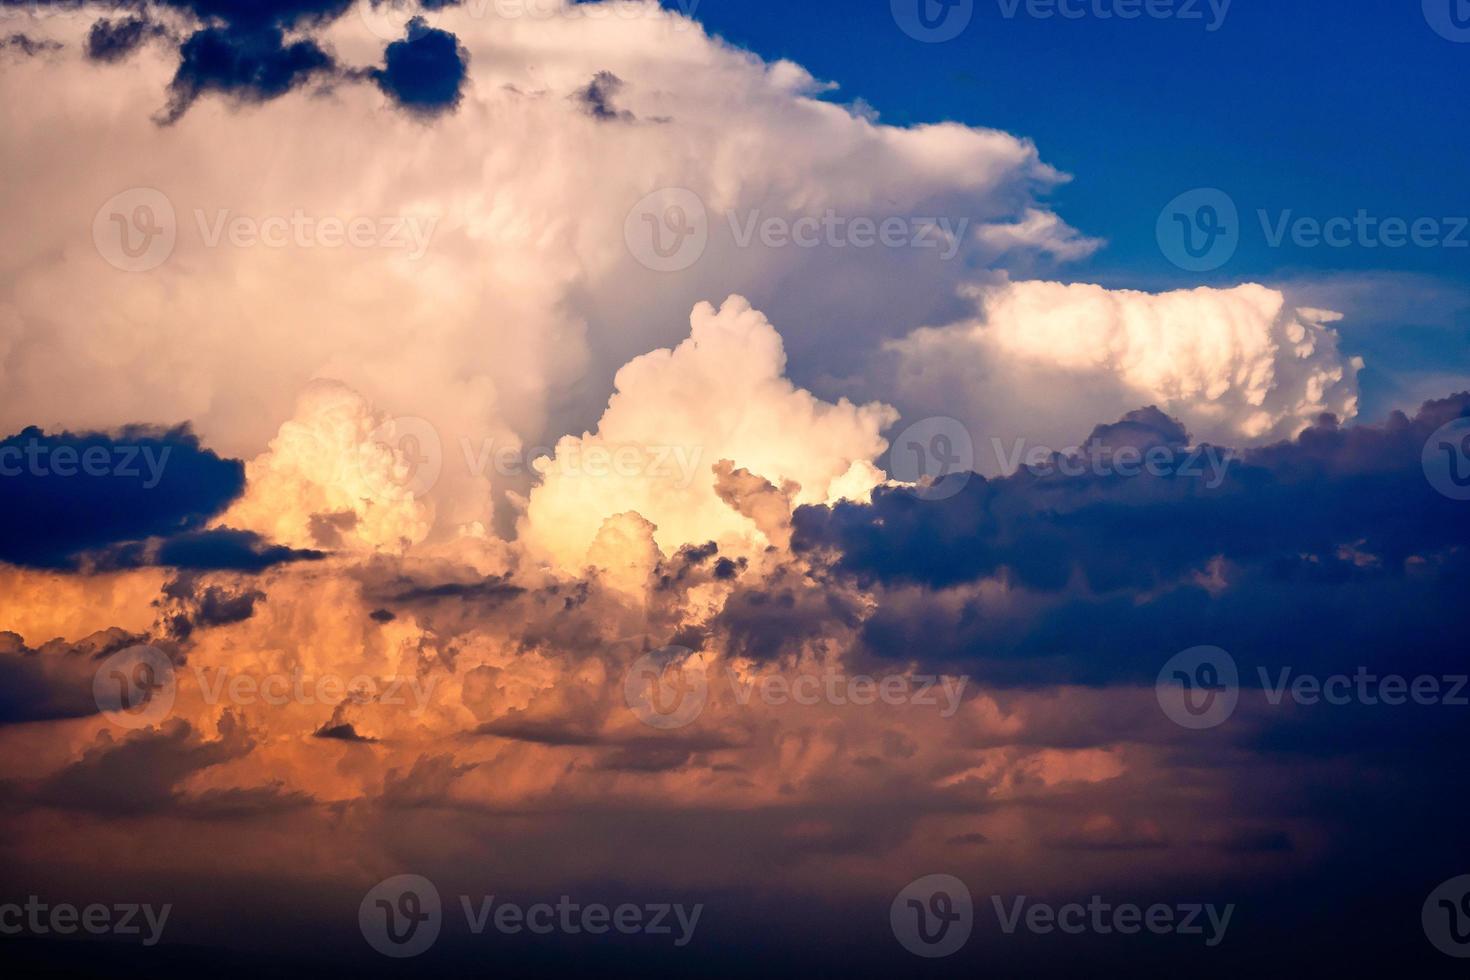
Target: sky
(880,488)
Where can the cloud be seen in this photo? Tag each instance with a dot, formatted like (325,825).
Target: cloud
(65,494)
(114,40)
(720,395)
(497,294)
(597,98)
(1314,545)
(425,71)
(253,66)
(53,681)
(1238,366)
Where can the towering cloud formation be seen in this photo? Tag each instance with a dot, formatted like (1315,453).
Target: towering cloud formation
(473,271)
(1239,366)
(721,395)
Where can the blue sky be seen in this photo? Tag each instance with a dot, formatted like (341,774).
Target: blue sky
(1292,108)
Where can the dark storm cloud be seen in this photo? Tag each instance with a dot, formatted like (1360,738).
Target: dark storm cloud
(1329,549)
(130,499)
(54,680)
(67,493)
(342,733)
(425,71)
(226,549)
(114,40)
(249,66)
(189,604)
(1362,486)
(238,49)
(27,45)
(791,608)
(139,772)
